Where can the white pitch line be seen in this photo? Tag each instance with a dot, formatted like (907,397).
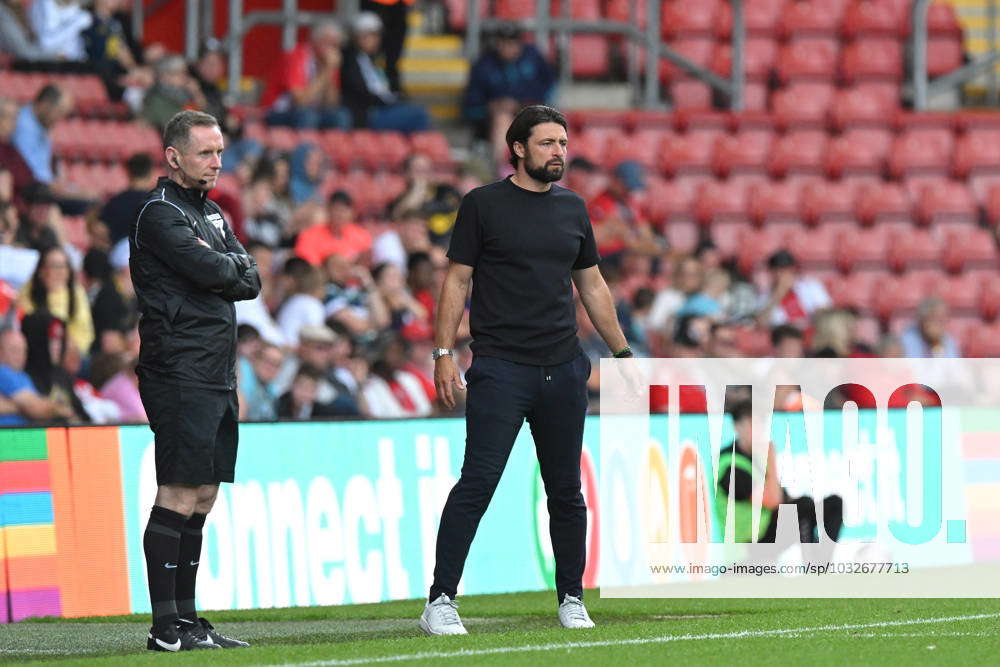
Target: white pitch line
(469,653)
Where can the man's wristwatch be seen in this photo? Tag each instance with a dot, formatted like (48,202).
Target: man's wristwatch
(623,353)
(441,352)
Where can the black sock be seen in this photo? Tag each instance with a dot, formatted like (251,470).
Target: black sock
(187,566)
(161,544)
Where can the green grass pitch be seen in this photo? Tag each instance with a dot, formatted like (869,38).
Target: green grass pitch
(522,629)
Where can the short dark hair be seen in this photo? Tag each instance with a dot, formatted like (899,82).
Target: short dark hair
(177,133)
(341,197)
(525,120)
(139,165)
(49,94)
(415,259)
(741,410)
(783,332)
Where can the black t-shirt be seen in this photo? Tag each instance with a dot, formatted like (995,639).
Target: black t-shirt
(523,246)
(740,484)
(120,212)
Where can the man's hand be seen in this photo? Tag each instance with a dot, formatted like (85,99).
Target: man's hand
(447,380)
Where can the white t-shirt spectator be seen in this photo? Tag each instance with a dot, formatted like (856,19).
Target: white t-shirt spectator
(254,313)
(406,399)
(300,310)
(806,297)
(59,27)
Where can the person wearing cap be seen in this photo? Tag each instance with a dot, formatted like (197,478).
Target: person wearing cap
(368,92)
(792,297)
(510,75)
(339,235)
(619,224)
(393,15)
(304,89)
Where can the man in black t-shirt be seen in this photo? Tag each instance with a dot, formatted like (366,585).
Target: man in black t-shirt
(523,243)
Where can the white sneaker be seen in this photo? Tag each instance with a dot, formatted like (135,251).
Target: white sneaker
(572,613)
(441,618)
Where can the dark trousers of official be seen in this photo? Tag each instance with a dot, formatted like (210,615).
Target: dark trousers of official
(501,395)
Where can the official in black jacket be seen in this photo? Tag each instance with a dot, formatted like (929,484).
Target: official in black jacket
(188,269)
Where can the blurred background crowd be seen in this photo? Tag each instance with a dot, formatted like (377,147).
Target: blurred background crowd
(337,184)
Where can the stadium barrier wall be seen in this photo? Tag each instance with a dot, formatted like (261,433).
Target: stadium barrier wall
(338,512)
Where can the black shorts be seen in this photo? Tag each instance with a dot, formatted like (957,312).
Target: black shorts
(196,432)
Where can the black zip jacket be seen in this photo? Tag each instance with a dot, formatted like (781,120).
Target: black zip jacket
(185,290)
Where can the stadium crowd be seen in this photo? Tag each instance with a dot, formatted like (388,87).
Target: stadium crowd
(343,327)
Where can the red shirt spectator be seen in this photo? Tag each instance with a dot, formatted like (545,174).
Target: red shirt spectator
(339,235)
(294,73)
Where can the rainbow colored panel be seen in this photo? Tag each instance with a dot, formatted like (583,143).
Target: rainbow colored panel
(27,528)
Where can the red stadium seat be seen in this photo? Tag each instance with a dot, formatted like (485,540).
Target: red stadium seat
(944,54)
(960,292)
(699,50)
(969,248)
(856,290)
(808,59)
(756,245)
(716,122)
(917,249)
(742,153)
(867,59)
(814,248)
(690,94)
(760,19)
(861,249)
(881,202)
(811,18)
(721,202)
(770,202)
(580,120)
(993,206)
(589,56)
(828,201)
(924,150)
(582,10)
(989,295)
(941,20)
(667,202)
(516,10)
(759,58)
(688,153)
(982,341)
(727,237)
(618,10)
(976,152)
(846,156)
(859,107)
(457,13)
(642,146)
(803,105)
(873,18)
(798,152)
(946,202)
(899,295)
(682,18)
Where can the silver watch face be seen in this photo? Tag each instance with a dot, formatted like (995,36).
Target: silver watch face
(440,352)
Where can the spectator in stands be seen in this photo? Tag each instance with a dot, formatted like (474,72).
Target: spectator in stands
(508,77)
(339,235)
(49,348)
(420,279)
(407,315)
(39,228)
(209,71)
(424,194)
(265,219)
(54,289)
(831,333)
(31,133)
(787,342)
(393,14)
(352,299)
(367,92)
(10,158)
(691,336)
(391,391)
(20,402)
(111,52)
(688,279)
(241,152)
(304,90)
(173,92)
(256,383)
(16,39)
(120,211)
(59,26)
(928,336)
(722,341)
(618,223)
(112,313)
(792,297)
(17,262)
(316,351)
(114,375)
(307,168)
(299,402)
(582,178)
(304,306)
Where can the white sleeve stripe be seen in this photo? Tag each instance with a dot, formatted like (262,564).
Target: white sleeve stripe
(163,199)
